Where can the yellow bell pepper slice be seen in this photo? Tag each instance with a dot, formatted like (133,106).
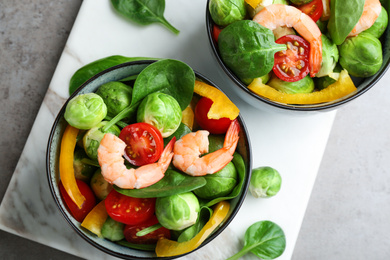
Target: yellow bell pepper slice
(95,219)
(188,117)
(253,3)
(167,248)
(342,87)
(222,106)
(68,179)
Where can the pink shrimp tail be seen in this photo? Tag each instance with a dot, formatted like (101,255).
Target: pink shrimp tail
(232,137)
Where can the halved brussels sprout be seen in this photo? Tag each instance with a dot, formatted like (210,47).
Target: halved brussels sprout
(99,185)
(85,111)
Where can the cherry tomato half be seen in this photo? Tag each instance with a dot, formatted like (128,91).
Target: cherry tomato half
(130,232)
(313,9)
(144,143)
(216,31)
(129,210)
(90,200)
(214,126)
(292,64)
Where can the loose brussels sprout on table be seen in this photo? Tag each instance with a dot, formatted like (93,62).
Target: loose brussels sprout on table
(162,111)
(265,182)
(85,111)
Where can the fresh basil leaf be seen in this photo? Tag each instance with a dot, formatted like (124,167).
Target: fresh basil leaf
(172,183)
(143,12)
(248,48)
(168,76)
(265,239)
(344,15)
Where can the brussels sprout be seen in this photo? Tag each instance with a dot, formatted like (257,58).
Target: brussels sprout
(361,55)
(323,82)
(99,185)
(379,27)
(300,2)
(92,138)
(162,111)
(177,211)
(264,79)
(113,230)
(305,85)
(82,171)
(265,182)
(330,57)
(224,12)
(116,95)
(85,111)
(218,184)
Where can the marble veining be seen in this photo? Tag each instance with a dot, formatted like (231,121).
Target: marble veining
(28,208)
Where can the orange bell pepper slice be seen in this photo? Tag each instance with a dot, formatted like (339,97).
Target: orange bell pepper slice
(95,219)
(68,144)
(166,247)
(342,87)
(222,106)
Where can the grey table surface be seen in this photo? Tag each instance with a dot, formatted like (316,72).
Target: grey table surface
(349,210)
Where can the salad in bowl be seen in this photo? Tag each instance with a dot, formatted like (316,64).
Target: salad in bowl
(303,55)
(149,159)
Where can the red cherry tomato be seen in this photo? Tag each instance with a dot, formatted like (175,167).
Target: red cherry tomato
(292,64)
(144,143)
(313,9)
(130,232)
(214,126)
(89,204)
(216,31)
(129,210)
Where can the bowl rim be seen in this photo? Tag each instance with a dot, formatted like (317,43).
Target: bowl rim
(300,108)
(66,214)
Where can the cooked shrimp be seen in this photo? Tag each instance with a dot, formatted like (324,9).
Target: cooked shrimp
(189,148)
(371,11)
(276,15)
(111,161)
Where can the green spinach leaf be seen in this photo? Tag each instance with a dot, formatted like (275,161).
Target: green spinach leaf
(190,232)
(248,48)
(265,239)
(91,69)
(344,15)
(168,76)
(172,183)
(144,11)
(179,133)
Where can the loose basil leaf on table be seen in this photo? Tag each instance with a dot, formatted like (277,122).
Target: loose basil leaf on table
(265,239)
(344,15)
(143,12)
(172,183)
(91,69)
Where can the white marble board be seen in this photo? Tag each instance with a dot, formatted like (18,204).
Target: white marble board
(294,145)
